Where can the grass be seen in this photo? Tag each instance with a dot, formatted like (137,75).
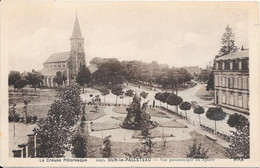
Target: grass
(153,133)
(92,115)
(173,124)
(173,149)
(103,126)
(118,118)
(40,111)
(153,112)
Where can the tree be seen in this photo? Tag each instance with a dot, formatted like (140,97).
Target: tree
(237,120)
(129,93)
(79,144)
(34,78)
(240,143)
(210,83)
(21,83)
(199,110)
(228,42)
(198,152)
(185,106)
(84,76)
(158,96)
(117,90)
(104,92)
(144,94)
(216,114)
(174,100)
(59,78)
(13,77)
(204,75)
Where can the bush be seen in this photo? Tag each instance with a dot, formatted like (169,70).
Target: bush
(196,151)
(22,119)
(35,119)
(79,146)
(10,118)
(29,119)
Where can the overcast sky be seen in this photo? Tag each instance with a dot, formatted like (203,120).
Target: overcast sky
(178,34)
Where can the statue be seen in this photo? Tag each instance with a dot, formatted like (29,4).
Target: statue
(136,115)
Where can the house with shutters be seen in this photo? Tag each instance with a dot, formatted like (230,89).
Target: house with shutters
(231,77)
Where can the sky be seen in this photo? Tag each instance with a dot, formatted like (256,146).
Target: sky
(174,33)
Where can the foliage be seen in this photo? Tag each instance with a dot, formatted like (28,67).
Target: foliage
(185,105)
(79,144)
(84,76)
(13,77)
(59,78)
(174,100)
(237,120)
(210,83)
(106,147)
(199,110)
(197,151)
(34,78)
(129,93)
(104,92)
(240,144)
(54,132)
(204,75)
(21,83)
(117,90)
(13,115)
(215,113)
(228,42)
(144,94)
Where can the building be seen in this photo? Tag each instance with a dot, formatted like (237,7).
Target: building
(231,76)
(193,70)
(68,63)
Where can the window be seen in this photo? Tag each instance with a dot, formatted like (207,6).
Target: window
(224,97)
(231,99)
(55,65)
(63,65)
(245,64)
(235,65)
(227,64)
(223,81)
(239,83)
(240,100)
(239,64)
(216,80)
(59,65)
(220,65)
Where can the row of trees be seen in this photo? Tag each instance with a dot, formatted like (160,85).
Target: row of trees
(55,132)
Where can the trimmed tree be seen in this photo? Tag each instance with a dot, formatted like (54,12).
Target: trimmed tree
(144,94)
(216,114)
(158,96)
(104,92)
(129,93)
(237,120)
(21,83)
(84,76)
(199,110)
(174,100)
(185,106)
(117,90)
(59,78)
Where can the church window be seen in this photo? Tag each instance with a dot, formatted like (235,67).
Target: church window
(63,65)
(59,65)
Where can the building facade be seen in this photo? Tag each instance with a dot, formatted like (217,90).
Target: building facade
(68,63)
(231,77)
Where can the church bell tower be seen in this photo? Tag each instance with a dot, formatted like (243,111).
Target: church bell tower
(77,49)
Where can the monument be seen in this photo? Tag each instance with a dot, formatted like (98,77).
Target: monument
(137,116)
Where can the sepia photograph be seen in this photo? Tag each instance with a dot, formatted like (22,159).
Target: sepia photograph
(129,82)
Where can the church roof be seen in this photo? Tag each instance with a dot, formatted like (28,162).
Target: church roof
(52,71)
(236,55)
(76,30)
(58,57)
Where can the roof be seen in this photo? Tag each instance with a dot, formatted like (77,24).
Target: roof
(236,55)
(51,71)
(76,30)
(58,57)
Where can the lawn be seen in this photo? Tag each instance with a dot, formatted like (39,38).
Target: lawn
(152,111)
(173,124)
(91,113)
(39,110)
(173,149)
(103,126)
(153,133)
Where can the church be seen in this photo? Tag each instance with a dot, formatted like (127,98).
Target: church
(68,63)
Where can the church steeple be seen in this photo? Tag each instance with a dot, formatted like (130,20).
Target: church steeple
(76,30)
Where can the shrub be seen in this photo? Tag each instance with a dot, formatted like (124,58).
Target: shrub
(79,148)
(196,151)
(35,119)
(10,118)
(29,119)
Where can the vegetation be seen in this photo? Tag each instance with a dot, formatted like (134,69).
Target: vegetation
(199,110)
(104,92)
(240,143)
(34,78)
(13,77)
(79,144)
(185,106)
(228,42)
(237,120)
(174,100)
(54,132)
(117,90)
(197,151)
(21,83)
(59,78)
(216,114)
(210,83)
(84,76)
